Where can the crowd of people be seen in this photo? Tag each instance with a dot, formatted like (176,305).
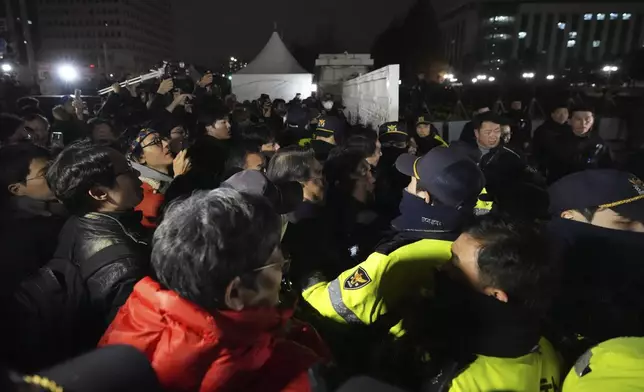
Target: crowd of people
(174,240)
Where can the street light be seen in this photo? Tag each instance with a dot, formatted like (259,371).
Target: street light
(481,77)
(491,79)
(610,68)
(7,67)
(528,75)
(474,80)
(550,77)
(68,73)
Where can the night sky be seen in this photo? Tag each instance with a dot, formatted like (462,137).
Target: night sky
(208,31)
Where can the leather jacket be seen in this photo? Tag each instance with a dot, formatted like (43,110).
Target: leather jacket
(84,237)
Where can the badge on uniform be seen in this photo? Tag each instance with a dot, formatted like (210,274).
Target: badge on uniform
(357,280)
(321,123)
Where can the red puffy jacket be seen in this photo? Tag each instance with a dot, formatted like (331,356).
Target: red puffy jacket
(193,350)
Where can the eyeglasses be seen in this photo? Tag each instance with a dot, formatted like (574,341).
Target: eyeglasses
(155,142)
(285,266)
(38,177)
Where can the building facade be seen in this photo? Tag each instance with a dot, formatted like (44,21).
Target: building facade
(544,37)
(110,36)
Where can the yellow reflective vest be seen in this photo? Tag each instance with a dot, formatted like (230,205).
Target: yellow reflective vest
(440,140)
(538,371)
(616,365)
(364,293)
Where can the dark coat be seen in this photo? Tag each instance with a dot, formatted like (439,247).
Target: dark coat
(83,237)
(560,152)
(29,237)
(309,241)
(602,296)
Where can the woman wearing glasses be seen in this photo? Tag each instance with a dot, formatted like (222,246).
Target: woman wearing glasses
(150,154)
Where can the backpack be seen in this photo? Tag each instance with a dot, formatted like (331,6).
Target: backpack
(53,319)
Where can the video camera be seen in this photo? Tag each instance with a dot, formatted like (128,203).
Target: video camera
(178,71)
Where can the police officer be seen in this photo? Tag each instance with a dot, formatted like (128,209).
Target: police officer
(439,200)
(328,132)
(437,203)
(394,140)
(427,136)
(480,327)
(598,219)
(615,365)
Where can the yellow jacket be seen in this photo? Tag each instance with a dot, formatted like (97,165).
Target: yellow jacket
(364,293)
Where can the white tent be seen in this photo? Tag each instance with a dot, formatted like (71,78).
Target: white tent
(274,72)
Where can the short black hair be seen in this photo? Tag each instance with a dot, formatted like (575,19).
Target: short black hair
(202,244)
(96,121)
(292,163)
(363,143)
(581,108)
(237,156)
(15,160)
(9,123)
(27,102)
(35,116)
(516,257)
(487,117)
(339,169)
(260,134)
(78,168)
(210,117)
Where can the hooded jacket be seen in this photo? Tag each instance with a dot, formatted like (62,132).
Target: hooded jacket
(194,350)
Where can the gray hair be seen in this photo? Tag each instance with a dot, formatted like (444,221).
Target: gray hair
(209,239)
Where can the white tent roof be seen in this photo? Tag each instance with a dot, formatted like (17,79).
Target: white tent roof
(275,58)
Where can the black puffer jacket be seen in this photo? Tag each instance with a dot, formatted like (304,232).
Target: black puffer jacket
(118,235)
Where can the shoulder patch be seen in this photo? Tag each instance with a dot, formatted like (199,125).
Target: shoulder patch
(357,280)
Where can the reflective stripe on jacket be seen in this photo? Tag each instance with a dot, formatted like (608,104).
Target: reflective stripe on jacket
(538,371)
(364,293)
(616,365)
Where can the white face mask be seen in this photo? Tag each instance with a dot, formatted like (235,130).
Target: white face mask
(328,105)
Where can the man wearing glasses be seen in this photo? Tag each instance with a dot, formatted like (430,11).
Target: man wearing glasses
(212,319)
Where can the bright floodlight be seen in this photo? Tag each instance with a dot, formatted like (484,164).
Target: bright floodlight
(448,76)
(230,77)
(610,68)
(528,75)
(314,88)
(474,80)
(68,73)
(491,79)
(6,67)
(481,77)
(550,77)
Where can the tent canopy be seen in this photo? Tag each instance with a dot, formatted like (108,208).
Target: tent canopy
(275,58)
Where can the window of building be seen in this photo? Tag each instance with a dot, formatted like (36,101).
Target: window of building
(601,16)
(571,43)
(588,16)
(501,19)
(498,36)
(626,16)
(572,34)
(561,26)
(613,16)
(522,34)
(596,43)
